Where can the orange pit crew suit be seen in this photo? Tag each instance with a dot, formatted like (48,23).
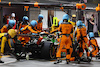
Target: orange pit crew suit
(66,29)
(38,26)
(94,44)
(5,28)
(20,38)
(22,25)
(83,40)
(27,30)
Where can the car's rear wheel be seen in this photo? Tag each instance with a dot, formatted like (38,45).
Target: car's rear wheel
(48,50)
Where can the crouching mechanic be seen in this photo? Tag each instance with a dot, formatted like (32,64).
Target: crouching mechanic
(66,29)
(8,26)
(22,25)
(28,30)
(82,39)
(94,44)
(5,37)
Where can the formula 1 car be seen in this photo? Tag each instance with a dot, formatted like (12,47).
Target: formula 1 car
(41,45)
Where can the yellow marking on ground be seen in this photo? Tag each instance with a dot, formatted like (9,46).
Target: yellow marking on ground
(52,60)
(6,56)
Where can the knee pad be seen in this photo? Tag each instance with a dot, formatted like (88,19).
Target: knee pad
(68,51)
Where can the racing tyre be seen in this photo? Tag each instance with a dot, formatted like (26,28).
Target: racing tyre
(48,50)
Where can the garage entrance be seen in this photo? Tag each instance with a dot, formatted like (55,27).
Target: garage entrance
(19,13)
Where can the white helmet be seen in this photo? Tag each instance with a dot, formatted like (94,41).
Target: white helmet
(13,15)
